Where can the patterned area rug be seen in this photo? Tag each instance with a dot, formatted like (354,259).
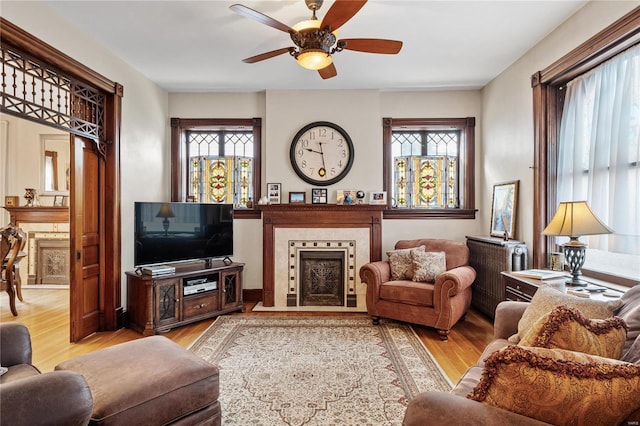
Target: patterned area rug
(317,370)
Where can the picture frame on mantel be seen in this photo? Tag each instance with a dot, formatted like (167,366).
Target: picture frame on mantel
(274,192)
(319,195)
(297,197)
(504,210)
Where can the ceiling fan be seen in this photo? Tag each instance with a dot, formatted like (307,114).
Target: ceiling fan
(316,41)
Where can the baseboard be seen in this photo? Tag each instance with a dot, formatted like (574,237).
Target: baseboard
(252,295)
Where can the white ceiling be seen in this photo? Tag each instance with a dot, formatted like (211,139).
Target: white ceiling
(198,46)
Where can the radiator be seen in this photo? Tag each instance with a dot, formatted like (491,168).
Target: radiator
(489,256)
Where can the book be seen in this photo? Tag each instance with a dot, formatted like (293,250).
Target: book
(539,274)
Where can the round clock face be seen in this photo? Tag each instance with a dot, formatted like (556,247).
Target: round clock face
(321,153)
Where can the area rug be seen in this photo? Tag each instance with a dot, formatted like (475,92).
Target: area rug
(317,370)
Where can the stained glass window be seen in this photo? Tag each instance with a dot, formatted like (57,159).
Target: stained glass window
(220,166)
(425,169)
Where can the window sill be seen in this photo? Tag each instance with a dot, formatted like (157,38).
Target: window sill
(429,214)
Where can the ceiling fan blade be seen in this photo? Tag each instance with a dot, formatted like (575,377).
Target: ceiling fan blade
(340,12)
(267,55)
(328,71)
(260,17)
(372,45)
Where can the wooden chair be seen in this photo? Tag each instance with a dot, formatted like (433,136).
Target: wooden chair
(11,240)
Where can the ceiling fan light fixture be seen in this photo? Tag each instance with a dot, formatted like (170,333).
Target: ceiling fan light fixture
(311,24)
(307,25)
(314,59)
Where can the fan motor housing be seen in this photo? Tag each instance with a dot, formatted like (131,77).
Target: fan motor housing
(314,38)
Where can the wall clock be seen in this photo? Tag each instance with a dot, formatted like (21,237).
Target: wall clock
(321,153)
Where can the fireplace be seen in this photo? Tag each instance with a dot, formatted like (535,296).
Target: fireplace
(352,233)
(321,278)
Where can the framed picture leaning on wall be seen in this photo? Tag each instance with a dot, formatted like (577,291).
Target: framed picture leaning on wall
(504,209)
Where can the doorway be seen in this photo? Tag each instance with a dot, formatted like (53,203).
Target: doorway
(94,203)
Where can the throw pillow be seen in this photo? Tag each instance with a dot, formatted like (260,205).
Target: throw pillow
(567,328)
(401,263)
(547,298)
(559,387)
(427,265)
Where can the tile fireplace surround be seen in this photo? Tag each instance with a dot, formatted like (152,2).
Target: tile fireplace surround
(289,230)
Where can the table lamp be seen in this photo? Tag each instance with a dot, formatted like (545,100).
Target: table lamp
(165,212)
(574,219)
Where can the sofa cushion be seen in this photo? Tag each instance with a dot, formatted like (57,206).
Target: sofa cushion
(17,372)
(547,298)
(567,328)
(630,313)
(401,263)
(407,292)
(427,265)
(468,381)
(560,387)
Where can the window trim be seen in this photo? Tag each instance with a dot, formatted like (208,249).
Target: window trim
(179,128)
(466,165)
(548,98)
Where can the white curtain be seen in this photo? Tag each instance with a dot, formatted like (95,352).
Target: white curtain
(599,149)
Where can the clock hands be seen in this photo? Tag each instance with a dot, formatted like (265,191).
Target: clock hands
(321,171)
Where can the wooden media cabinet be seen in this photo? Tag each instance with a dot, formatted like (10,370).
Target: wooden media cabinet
(161,302)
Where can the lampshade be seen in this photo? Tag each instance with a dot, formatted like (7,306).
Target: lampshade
(165,211)
(314,59)
(574,219)
(306,25)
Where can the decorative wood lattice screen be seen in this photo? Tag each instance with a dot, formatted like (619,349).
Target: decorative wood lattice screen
(490,256)
(33,90)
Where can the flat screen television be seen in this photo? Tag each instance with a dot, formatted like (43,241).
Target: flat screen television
(173,232)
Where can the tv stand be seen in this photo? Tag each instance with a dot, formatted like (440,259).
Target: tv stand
(194,292)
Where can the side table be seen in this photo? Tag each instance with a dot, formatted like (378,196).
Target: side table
(522,289)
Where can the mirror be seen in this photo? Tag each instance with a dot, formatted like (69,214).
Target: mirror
(55,164)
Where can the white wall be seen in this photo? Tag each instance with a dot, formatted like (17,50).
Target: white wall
(507,109)
(145,127)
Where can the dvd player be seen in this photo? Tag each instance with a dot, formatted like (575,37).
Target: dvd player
(199,288)
(158,270)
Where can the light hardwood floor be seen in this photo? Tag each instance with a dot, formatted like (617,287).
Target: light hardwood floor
(46,313)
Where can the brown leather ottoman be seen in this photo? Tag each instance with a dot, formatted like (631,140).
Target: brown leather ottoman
(149,381)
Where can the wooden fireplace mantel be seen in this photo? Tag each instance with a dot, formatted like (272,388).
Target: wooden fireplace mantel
(47,214)
(314,216)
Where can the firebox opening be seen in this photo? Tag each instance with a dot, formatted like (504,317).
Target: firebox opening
(321,278)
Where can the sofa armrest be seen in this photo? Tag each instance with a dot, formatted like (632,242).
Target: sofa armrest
(441,408)
(373,274)
(55,398)
(508,313)
(15,344)
(457,279)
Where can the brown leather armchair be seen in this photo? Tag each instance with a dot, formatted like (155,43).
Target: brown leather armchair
(440,304)
(28,397)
